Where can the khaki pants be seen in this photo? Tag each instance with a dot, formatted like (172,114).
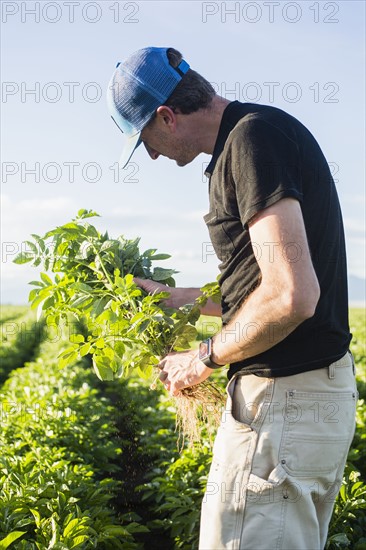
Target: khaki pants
(278,460)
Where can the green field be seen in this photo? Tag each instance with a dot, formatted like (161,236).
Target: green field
(91,464)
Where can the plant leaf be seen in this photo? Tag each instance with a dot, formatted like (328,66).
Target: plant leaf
(9,539)
(23,258)
(101,365)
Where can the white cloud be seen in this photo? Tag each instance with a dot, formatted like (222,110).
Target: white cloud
(357,198)
(36,215)
(354,225)
(148,215)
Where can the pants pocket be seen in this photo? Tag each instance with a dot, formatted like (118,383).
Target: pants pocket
(276,513)
(265,491)
(318,430)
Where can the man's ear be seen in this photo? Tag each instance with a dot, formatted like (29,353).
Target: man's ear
(166,116)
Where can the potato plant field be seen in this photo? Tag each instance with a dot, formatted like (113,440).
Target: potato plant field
(88,463)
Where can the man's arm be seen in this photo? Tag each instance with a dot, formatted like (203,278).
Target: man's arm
(287,294)
(179,296)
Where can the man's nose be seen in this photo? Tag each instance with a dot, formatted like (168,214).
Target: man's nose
(152,152)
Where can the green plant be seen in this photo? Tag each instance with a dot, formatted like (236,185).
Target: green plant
(349,518)
(126,330)
(59,448)
(20,337)
(9,313)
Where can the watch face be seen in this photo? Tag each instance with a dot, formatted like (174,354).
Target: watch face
(204,349)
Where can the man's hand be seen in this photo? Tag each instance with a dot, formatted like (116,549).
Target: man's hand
(178,296)
(181,370)
(153,287)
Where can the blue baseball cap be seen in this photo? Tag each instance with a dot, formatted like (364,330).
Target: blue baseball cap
(139,85)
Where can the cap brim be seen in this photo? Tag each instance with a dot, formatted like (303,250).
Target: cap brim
(131,144)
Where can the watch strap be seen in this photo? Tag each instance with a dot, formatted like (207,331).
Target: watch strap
(211,364)
(205,356)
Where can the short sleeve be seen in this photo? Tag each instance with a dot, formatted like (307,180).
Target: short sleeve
(264,165)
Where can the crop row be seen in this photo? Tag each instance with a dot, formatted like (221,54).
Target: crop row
(10,313)
(20,338)
(79,454)
(59,460)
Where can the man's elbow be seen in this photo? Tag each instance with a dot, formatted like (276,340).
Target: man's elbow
(302,302)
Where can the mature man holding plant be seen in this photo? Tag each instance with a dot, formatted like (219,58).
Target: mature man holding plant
(276,226)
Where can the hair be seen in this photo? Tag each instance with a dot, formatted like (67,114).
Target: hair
(192,93)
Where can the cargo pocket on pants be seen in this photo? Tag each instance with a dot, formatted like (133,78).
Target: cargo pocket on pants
(264,515)
(318,431)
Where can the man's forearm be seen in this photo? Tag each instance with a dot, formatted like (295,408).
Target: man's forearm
(262,321)
(181,296)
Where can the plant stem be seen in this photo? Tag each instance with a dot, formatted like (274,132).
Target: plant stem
(102,264)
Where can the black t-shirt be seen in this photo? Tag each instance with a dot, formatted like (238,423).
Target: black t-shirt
(262,155)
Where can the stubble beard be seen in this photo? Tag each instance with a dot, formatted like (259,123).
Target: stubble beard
(187,154)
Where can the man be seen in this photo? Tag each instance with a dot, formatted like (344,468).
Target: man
(276,226)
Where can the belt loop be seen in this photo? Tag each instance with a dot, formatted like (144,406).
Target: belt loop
(331,371)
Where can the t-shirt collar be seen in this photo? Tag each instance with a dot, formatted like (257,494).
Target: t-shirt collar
(230,117)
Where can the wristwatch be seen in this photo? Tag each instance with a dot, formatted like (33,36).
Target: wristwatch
(204,354)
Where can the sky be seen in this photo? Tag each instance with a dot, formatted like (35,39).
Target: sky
(59,147)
